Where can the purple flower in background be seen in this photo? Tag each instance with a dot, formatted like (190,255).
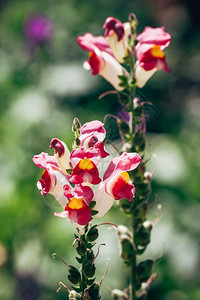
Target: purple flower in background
(123,114)
(38,29)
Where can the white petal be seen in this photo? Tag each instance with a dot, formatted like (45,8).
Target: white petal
(111,70)
(142,76)
(103,201)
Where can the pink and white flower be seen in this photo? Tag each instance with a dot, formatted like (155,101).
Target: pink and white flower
(117,34)
(116,177)
(116,183)
(92,134)
(149,53)
(101,60)
(77,209)
(53,179)
(84,163)
(62,154)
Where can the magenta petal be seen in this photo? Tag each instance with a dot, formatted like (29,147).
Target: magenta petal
(124,162)
(90,42)
(84,218)
(43,159)
(156,36)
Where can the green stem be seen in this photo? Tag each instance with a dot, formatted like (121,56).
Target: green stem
(132,132)
(132,115)
(133,274)
(83,283)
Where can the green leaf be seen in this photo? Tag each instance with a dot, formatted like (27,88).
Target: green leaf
(79,259)
(92,204)
(94,212)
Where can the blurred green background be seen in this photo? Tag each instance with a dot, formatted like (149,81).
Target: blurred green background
(42,87)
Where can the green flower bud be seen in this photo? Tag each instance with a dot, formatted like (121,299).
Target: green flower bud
(89,269)
(73,295)
(92,234)
(74,275)
(94,291)
(140,213)
(118,295)
(78,142)
(127,250)
(90,255)
(76,124)
(81,248)
(142,235)
(144,270)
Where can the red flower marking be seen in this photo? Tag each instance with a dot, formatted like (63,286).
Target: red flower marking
(121,188)
(85,171)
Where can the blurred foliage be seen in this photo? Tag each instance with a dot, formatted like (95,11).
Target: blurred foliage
(42,88)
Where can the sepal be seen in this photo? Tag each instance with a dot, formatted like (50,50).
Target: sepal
(92,234)
(143,236)
(81,248)
(89,269)
(144,270)
(74,275)
(127,250)
(94,291)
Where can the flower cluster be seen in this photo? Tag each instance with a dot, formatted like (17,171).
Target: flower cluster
(74,179)
(107,54)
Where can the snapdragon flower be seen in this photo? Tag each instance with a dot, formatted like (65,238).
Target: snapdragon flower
(92,134)
(80,169)
(149,53)
(101,60)
(53,179)
(117,34)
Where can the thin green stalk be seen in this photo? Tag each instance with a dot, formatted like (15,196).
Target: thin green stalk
(132,132)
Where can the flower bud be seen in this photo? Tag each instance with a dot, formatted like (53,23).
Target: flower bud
(76,124)
(140,213)
(142,235)
(89,269)
(81,248)
(123,230)
(92,234)
(94,291)
(78,142)
(74,275)
(127,250)
(90,255)
(73,295)
(144,269)
(118,295)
